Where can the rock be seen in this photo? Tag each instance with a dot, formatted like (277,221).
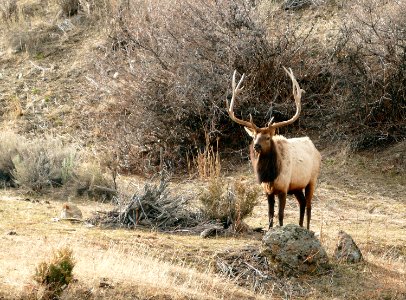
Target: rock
(294,250)
(346,249)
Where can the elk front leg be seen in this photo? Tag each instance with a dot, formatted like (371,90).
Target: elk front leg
(271,208)
(282,202)
(302,205)
(309,190)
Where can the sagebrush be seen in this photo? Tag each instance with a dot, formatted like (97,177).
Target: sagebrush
(38,164)
(227,202)
(43,163)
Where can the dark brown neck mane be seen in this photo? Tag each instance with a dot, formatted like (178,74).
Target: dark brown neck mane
(265,165)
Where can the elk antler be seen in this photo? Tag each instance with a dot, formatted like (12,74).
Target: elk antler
(230,107)
(297,94)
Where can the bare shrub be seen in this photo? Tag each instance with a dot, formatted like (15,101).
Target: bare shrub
(45,163)
(371,55)
(229,203)
(169,67)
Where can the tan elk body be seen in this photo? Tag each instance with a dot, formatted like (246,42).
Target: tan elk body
(283,166)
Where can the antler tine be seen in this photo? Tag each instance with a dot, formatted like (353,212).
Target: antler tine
(230,107)
(270,122)
(236,90)
(297,95)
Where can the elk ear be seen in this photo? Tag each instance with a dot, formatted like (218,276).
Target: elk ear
(251,132)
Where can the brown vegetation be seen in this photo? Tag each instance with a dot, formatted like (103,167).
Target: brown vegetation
(119,87)
(155,87)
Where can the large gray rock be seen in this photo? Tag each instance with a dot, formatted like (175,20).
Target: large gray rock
(347,250)
(294,250)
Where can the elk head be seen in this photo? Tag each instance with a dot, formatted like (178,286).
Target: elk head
(262,136)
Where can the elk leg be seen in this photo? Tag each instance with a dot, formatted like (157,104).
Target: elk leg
(302,204)
(271,208)
(309,195)
(282,202)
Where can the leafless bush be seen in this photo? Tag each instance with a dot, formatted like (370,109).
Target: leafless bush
(169,69)
(371,55)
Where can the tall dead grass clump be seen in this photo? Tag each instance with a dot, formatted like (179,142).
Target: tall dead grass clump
(207,161)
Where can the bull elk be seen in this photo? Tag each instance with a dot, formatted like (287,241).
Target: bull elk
(282,166)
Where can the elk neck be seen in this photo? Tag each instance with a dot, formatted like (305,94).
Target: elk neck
(266,165)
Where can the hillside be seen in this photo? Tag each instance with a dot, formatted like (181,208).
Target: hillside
(101,99)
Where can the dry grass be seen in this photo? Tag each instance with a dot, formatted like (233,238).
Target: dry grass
(140,263)
(49,88)
(148,264)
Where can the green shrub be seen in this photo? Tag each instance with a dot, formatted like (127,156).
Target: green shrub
(229,203)
(56,274)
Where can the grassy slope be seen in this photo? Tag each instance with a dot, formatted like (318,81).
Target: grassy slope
(369,205)
(143,263)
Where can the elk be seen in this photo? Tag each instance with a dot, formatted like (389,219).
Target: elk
(282,165)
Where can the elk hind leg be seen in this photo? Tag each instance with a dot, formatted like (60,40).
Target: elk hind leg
(271,208)
(309,190)
(282,203)
(302,205)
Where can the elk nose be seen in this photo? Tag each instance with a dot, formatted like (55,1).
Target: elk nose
(257,147)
